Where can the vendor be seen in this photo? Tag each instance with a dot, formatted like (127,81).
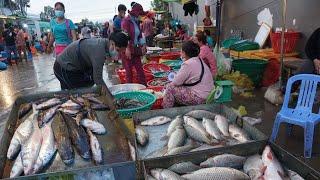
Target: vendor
(181,33)
(81,63)
(193,82)
(167,31)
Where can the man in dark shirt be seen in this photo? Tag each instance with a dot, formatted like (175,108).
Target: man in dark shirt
(118,19)
(10,43)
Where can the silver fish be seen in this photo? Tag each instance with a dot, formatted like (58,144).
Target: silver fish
(132,151)
(165,174)
(142,135)
(177,138)
(294,176)
(45,116)
(200,114)
(231,142)
(156,121)
(47,149)
(253,167)
(224,160)
(96,149)
(93,126)
(184,167)
(214,173)
(211,128)
(197,135)
(178,121)
(48,104)
(197,126)
(69,112)
(70,105)
(222,124)
(238,133)
(17,167)
(182,149)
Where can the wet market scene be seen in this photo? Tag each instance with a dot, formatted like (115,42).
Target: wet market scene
(159,89)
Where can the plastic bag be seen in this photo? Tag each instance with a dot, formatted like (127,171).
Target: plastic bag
(223,63)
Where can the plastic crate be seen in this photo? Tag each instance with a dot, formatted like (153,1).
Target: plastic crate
(290,41)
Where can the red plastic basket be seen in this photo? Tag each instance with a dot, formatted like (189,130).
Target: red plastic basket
(121,72)
(290,41)
(148,68)
(170,55)
(154,59)
(158,103)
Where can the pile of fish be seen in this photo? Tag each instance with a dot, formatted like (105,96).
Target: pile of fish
(227,167)
(54,126)
(159,82)
(187,133)
(129,103)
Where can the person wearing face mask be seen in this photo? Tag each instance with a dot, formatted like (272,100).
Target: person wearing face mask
(81,63)
(137,45)
(193,82)
(63,30)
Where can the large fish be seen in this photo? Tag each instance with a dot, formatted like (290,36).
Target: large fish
(142,135)
(17,167)
(253,167)
(211,128)
(238,133)
(184,167)
(48,104)
(62,139)
(96,149)
(70,105)
(195,130)
(45,116)
(217,173)
(222,124)
(224,160)
(177,138)
(78,137)
(165,174)
(93,126)
(178,121)
(273,168)
(200,114)
(156,121)
(47,150)
(31,148)
(182,149)
(24,109)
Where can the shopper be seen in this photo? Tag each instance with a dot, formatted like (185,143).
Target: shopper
(148,29)
(106,30)
(21,44)
(136,48)
(117,21)
(206,53)
(193,82)
(63,30)
(10,43)
(86,31)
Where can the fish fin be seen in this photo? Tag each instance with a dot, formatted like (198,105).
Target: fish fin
(165,138)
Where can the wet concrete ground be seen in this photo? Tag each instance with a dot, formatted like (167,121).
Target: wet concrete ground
(37,75)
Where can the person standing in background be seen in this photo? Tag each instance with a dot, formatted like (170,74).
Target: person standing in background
(21,44)
(86,31)
(118,19)
(106,30)
(147,29)
(10,42)
(210,40)
(63,30)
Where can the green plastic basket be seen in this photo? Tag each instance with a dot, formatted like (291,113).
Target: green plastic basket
(173,63)
(254,68)
(140,96)
(161,74)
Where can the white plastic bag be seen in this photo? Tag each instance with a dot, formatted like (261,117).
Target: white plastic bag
(223,63)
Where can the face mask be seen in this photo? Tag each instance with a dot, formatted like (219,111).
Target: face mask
(113,53)
(59,13)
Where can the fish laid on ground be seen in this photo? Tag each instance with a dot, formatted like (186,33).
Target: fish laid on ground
(31,148)
(177,138)
(186,148)
(197,134)
(47,149)
(96,149)
(156,121)
(132,151)
(273,168)
(48,104)
(238,133)
(17,167)
(78,137)
(253,167)
(222,124)
(24,109)
(70,105)
(294,176)
(165,174)
(200,114)
(224,160)
(211,128)
(214,173)
(184,167)
(45,116)
(62,139)
(142,135)
(93,126)
(177,121)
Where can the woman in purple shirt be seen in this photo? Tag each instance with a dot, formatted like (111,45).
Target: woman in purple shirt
(193,83)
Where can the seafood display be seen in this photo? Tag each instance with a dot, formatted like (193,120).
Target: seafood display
(227,167)
(126,103)
(159,82)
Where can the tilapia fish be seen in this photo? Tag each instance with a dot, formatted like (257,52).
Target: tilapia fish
(177,138)
(142,135)
(238,133)
(177,121)
(70,105)
(200,114)
(215,173)
(184,167)
(93,126)
(222,124)
(253,167)
(62,139)
(211,128)
(96,149)
(165,174)
(17,167)
(224,160)
(48,104)
(24,109)
(195,130)
(156,121)
(47,149)
(78,137)
(45,116)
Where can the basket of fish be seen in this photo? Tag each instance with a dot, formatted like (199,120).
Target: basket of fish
(255,160)
(128,103)
(193,128)
(52,132)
